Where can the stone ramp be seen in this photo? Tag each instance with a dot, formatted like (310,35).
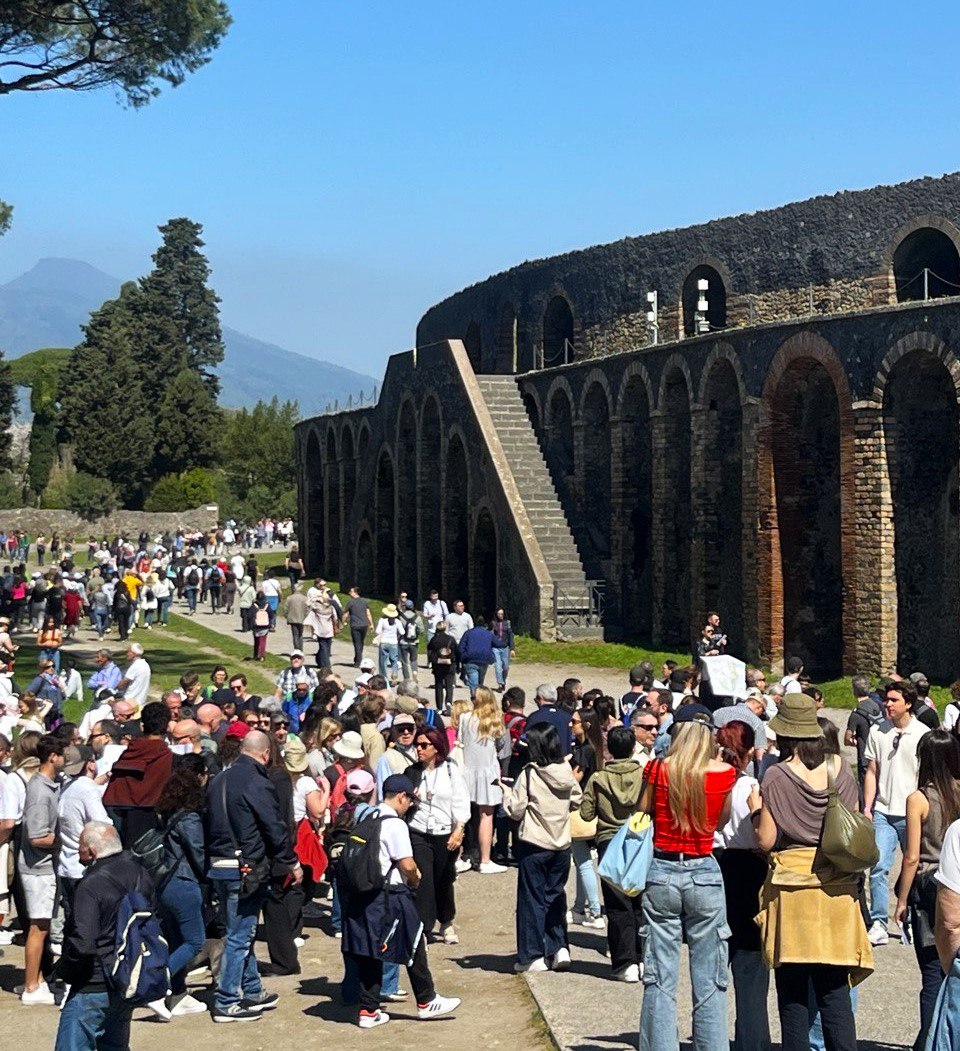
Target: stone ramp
(541,504)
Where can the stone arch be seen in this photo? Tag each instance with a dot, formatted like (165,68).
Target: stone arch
(720,510)
(675,363)
(921,430)
(386,503)
(595,377)
(331,500)
(926,341)
(722,352)
(806,499)
(716,296)
(558,332)
(314,537)
(456,519)
(406,450)
(365,576)
(596,507)
(675,501)
(635,402)
(473,343)
(507,340)
(912,243)
(559,431)
(431,512)
(483,566)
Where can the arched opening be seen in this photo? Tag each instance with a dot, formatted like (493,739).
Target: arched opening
(559,444)
(722,501)
(483,596)
(926,265)
(456,522)
(805,443)
(331,565)
(715,316)
(557,333)
(349,461)
(313,473)
(596,469)
(474,349)
(677,519)
(507,339)
(431,556)
(407,504)
(364,575)
(386,511)
(922,441)
(637,459)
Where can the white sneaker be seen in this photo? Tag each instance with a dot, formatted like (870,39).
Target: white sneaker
(589,920)
(160,1009)
(394,998)
(462,865)
(561,961)
(439,1005)
(185,1004)
(630,974)
(539,964)
(40,995)
(878,933)
(372,1021)
(449,935)
(299,942)
(491,868)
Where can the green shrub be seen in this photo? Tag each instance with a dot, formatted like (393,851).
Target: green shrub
(91,497)
(168,495)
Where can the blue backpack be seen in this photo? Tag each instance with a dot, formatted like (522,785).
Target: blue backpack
(138,969)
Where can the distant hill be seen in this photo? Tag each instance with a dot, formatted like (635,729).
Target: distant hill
(46,306)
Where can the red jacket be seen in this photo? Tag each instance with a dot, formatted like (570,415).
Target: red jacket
(140,774)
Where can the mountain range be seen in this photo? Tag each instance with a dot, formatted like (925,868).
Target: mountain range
(46,306)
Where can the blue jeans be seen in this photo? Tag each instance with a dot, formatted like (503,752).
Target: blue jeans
(684,898)
(501,664)
(817,1042)
(389,660)
(751,982)
(541,901)
(101,620)
(163,610)
(889,832)
(181,912)
(239,976)
(94,1022)
(51,655)
(588,886)
(473,675)
(191,593)
(944,1034)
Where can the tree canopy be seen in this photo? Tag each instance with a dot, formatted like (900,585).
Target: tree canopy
(133,46)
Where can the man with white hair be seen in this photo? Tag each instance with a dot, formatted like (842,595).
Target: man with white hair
(549,712)
(135,684)
(93,1016)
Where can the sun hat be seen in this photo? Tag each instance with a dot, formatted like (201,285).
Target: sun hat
(362,680)
(360,782)
(350,745)
(797,717)
(75,758)
(295,755)
(296,653)
(404,720)
(367,664)
(390,610)
(407,705)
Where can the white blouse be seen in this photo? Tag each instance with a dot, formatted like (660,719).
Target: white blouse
(444,801)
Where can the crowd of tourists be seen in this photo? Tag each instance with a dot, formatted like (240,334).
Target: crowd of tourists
(164,831)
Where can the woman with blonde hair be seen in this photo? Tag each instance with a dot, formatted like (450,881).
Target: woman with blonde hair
(688,794)
(485,742)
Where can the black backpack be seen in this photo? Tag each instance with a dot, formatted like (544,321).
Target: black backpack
(358,866)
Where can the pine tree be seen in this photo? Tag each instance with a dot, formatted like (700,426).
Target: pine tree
(187,425)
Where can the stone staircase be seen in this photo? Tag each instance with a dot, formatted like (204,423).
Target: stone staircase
(577,616)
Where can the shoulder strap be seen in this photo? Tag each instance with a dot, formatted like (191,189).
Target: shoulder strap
(226,812)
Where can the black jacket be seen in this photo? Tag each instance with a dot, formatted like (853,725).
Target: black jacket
(255,816)
(91,935)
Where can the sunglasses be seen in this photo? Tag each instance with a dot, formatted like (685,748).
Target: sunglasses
(646,726)
(407,729)
(424,744)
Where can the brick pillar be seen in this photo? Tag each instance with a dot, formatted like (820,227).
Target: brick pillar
(578,481)
(769,573)
(658,540)
(704,482)
(749,536)
(616,598)
(876,578)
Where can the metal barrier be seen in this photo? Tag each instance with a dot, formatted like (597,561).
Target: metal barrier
(579,607)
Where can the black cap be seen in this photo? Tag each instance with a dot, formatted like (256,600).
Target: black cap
(692,712)
(397,783)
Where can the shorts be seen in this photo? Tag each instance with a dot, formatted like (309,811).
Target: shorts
(39,892)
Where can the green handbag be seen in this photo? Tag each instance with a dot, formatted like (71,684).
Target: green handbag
(847,840)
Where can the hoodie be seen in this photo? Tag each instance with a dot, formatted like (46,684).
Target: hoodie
(140,774)
(612,795)
(542,800)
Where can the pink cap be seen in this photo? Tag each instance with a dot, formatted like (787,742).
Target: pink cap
(360,782)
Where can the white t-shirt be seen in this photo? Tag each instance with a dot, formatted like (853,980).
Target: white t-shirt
(949,871)
(81,801)
(389,631)
(951,714)
(394,842)
(791,684)
(304,786)
(12,798)
(90,720)
(898,767)
(434,612)
(458,624)
(139,676)
(270,587)
(738,833)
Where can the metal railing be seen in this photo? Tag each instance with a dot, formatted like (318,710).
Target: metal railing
(361,401)
(579,607)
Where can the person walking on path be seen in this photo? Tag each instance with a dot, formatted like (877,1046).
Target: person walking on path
(357,615)
(502,647)
(485,742)
(295,611)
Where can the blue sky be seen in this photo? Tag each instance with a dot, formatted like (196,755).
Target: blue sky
(354,163)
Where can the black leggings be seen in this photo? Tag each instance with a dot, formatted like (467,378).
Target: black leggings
(444,679)
(831,990)
(371,978)
(437,865)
